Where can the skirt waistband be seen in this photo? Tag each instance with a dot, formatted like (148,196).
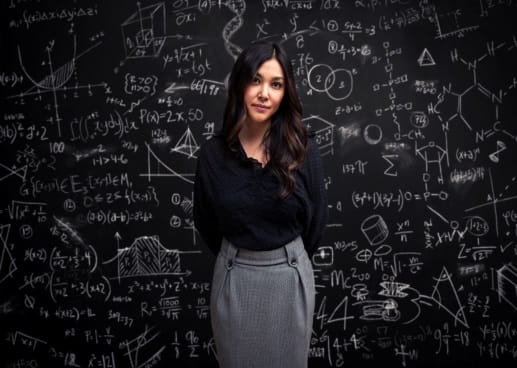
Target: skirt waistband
(289,252)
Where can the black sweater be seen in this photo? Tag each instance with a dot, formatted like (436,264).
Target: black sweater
(235,198)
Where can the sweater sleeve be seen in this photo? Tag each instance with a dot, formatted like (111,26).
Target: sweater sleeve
(313,234)
(205,220)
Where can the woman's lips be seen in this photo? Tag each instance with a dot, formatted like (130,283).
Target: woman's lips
(260,108)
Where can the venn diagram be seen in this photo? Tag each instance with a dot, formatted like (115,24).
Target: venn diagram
(336,83)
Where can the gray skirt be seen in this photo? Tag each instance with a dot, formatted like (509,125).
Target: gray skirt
(262,305)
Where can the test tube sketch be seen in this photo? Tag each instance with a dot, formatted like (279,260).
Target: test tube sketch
(155,164)
(143,32)
(507,284)
(324,133)
(147,256)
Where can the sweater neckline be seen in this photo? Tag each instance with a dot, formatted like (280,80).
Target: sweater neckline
(241,153)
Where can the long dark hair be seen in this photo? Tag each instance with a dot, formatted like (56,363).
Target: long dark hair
(286,138)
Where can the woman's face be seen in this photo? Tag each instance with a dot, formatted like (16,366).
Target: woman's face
(264,94)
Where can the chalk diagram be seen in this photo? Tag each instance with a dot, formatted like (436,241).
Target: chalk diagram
(386,310)
(493,200)
(146,256)
(57,78)
(238,7)
(448,25)
(187,144)
(507,284)
(155,164)
(144,31)
(433,153)
(135,348)
(388,86)
(187,205)
(338,84)
(454,102)
(375,229)
(324,133)
(444,294)
(410,300)
(7,264)
(20,172)
(488,96)
(425,58)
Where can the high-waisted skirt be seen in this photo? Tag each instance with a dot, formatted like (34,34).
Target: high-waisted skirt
(262,306)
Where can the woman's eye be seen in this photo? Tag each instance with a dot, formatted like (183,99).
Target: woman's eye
(255,80)
(277,85)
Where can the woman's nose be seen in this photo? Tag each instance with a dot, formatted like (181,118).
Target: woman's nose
(263,92)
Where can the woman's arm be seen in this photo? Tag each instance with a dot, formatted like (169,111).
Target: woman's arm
(205,219)
(318,198)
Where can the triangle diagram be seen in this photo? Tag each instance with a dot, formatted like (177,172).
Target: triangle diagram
(444,293)
(425,58)
(187,144)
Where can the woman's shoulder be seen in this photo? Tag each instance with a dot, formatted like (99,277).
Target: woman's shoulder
(213,146)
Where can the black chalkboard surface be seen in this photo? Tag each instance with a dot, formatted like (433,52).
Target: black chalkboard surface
(106,103)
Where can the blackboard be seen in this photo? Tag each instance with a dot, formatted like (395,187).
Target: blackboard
(106,103)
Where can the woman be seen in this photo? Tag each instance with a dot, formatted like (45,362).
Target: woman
(260,205)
